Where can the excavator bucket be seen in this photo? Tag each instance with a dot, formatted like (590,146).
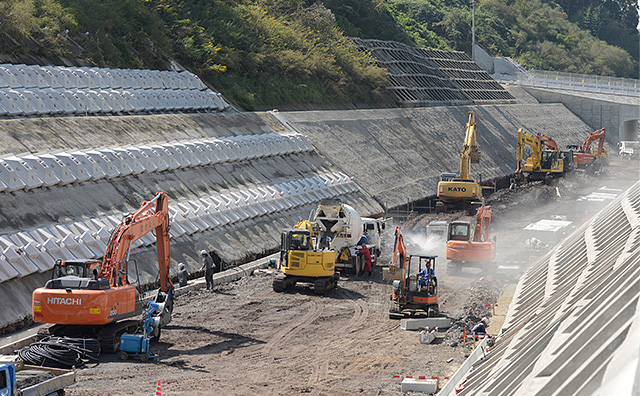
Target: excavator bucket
(474,155)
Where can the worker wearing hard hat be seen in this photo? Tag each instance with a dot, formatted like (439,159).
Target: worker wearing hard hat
(208,266)
(182,275)
(481,328)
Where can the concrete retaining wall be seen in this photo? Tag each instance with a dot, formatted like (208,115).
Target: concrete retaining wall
(597,110)
(394,155)
(235,243)
(397,155)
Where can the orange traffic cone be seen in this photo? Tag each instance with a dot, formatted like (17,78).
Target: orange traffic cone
(158,389)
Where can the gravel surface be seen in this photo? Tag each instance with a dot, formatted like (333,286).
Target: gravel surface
(245,339)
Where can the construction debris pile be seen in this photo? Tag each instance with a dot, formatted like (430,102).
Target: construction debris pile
(479,303)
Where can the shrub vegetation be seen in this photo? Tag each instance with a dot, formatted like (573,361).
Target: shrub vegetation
(262,53)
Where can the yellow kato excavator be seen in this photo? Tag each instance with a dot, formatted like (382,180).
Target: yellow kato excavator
(459,191)
(301,262)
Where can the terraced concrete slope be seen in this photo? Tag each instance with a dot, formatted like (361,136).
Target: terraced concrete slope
(232,196)
(397,155)
(430,77)
(574,323)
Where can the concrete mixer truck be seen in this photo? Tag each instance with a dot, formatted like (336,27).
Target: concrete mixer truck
(340,228)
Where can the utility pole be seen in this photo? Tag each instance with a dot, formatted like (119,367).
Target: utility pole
(473,30)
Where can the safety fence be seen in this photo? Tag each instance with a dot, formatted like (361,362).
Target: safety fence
(580,82)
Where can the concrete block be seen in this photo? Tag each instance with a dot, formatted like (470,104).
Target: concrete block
(10,177)
(59,101)
(117,161)
(110,169)
(76,167)
(8,77)
(166,155)
(147,163)
(154,155)
(25,104)
(427,336)
(114,101)
(90,164)
(33,252)
(217,150)
(59,168)
(6,269)
(24,171)
(196,155)
(178,155)
(419,385)
(415,324)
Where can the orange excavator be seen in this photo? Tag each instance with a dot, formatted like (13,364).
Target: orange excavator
(417,286)
(584,157)
(92,298)
(470,243)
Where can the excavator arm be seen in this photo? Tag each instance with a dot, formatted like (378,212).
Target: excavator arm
(483,224)
(399,258)
(548,142)
(134,227)
(599,136)
(533,143)
(469,154)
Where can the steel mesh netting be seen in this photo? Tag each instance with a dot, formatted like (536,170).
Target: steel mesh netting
(423,77)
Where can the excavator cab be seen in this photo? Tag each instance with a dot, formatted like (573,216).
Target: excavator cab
(293,239)
(549,159)
(82,269)
(77,275)
(460,231)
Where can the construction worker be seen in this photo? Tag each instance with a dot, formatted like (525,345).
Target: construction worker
(367,260)
(208,266)
(481,328)
(182,275)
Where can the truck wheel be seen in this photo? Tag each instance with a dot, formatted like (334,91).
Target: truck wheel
(124,355)
(144,357)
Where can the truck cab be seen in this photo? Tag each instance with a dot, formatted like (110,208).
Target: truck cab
(7,380)
(373,229)
(17,379)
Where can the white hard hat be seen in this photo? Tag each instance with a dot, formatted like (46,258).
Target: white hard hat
(181,265)
(202,253)
(485,320)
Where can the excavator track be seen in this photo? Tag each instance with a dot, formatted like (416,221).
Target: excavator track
(280,283)
(109,335)
(322,285)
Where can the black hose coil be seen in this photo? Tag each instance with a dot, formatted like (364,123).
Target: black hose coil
(61,352)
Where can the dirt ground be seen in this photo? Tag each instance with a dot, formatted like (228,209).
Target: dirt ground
(245,339)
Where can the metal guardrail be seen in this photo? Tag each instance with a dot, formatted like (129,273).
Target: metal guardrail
(580,82)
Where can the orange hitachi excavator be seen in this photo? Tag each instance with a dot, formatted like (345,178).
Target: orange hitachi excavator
(92,298)
(583,156)
(416,287)
(471,242)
